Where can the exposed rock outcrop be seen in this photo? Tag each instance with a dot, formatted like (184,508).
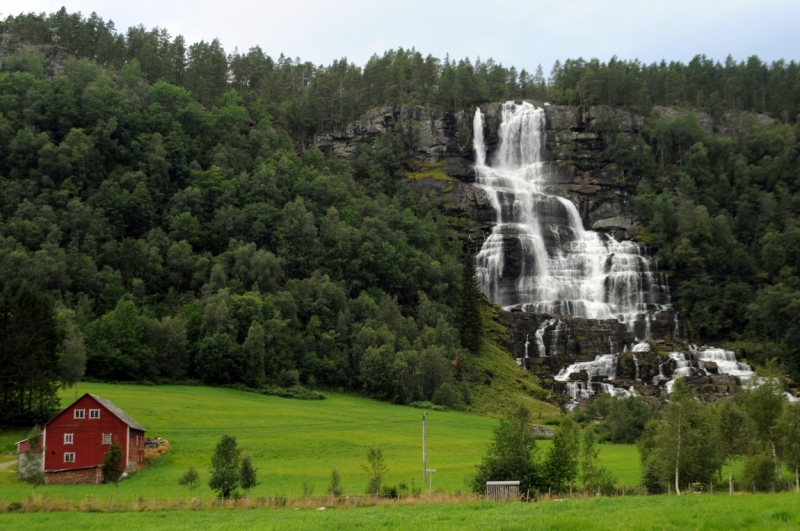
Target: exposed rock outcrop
(55,56)
(434,132)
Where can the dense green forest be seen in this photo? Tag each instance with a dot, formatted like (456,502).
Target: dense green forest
(307,98)
(162,195)
(723,217)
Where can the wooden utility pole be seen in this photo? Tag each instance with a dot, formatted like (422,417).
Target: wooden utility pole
(424,450)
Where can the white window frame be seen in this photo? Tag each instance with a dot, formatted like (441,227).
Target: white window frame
(78,416)
(69,438)
(106,438)
(94,413)
(69,457)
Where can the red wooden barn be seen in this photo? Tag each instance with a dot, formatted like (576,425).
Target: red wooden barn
(76,439)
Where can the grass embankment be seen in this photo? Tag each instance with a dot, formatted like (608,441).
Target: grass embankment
(763,512)
(504,385)
(292,442)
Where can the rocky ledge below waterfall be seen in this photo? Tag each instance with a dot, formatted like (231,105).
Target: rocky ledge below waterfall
(578,358)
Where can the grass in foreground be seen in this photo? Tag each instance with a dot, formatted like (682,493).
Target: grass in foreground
(706,512)
(292,442)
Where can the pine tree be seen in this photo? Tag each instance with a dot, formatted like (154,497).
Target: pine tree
(470,322)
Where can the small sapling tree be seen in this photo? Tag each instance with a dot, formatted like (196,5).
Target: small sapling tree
(335,486)
(376,469)
(190,479)
(31,470)
(248,475)
(225,466)
(113,466)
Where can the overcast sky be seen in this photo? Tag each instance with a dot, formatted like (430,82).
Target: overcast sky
(513,32)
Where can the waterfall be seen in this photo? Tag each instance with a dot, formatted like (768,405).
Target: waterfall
(539,256)
(683,368)
(604,365)
(725,361)
(539,336)
(477,132)
(527,342)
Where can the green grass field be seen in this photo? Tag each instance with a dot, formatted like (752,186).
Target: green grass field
(705,512)
(292,442)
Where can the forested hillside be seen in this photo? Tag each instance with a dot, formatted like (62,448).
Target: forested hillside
(162,195)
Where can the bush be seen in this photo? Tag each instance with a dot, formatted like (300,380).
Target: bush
(759,470)
(297,392)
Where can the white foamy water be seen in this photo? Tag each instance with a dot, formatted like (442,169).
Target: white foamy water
(538,255)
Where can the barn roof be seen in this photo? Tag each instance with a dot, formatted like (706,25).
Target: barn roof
(121,415)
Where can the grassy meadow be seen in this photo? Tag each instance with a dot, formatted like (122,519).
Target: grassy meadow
(706,512)
(292,442)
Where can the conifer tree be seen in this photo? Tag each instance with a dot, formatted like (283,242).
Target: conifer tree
(470,322)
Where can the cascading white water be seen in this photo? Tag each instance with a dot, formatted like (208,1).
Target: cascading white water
(604,365)
(725,361)
(683,368)
(539,256)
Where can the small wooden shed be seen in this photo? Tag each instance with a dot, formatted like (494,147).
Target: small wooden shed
(502,490)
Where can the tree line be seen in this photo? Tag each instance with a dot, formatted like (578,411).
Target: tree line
(174,242)
(685,445)
(309,98)
(720,215)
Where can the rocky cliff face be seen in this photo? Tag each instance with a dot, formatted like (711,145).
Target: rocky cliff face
(581,169)
(55,56)
(434,132)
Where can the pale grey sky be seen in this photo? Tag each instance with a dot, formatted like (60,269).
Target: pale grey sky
(513,32)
